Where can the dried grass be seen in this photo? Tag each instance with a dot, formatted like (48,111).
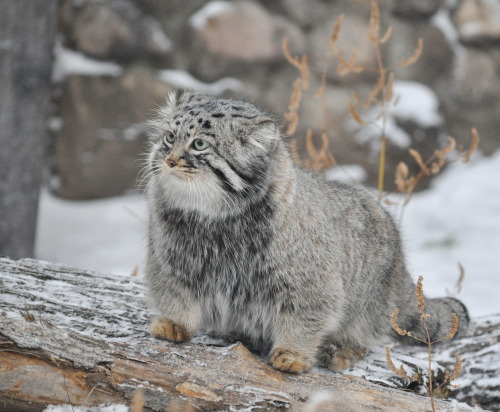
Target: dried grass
(355,115)
(473,145)
(381,94)
(406,184)
(386,37)
(405,62)
(442,389)
(397,371)
(334,36)
(454,327)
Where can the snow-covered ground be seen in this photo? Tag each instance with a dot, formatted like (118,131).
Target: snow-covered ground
(457,220)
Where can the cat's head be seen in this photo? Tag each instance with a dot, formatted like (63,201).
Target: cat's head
(210,155)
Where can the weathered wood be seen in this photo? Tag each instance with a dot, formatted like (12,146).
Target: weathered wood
(76,337)
(27,30)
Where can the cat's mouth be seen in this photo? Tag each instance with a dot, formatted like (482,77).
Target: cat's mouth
(178,172)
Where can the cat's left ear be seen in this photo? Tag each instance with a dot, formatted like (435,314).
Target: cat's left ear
(264,133)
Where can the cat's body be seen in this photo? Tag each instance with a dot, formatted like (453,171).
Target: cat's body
(243,241)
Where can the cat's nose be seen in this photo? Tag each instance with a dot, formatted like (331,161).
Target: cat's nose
(170,162)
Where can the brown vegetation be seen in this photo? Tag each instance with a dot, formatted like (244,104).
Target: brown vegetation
(380,95)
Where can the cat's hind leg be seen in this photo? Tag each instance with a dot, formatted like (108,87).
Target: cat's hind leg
(295,344)
(336,356)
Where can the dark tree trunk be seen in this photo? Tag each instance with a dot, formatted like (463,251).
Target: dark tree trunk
(27,30)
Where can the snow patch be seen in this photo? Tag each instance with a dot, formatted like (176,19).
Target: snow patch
(346,173)
(412,101)
(104,235)
(458,220)
(442,20)
(183,80)
(158,37)
(210,10)
(68,62)
(417,103)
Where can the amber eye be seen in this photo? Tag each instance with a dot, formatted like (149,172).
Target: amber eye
(199,144)
(169,138)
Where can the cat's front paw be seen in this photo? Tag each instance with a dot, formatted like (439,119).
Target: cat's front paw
(164,328)
(287,360)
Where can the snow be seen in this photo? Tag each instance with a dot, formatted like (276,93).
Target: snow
(210,10)
(457,220)
(183,80)
(346,173)
(417,103)
(442,20)
(103,235)
(68,62)
(100,408)
(412,101)
(157,36)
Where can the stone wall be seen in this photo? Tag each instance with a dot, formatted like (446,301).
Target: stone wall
(117,59)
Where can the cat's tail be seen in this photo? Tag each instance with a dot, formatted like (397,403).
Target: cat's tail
(439,323)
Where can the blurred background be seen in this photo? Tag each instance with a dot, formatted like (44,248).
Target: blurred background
(97,70)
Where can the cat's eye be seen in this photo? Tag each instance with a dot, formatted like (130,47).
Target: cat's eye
(199,144)
(169,138)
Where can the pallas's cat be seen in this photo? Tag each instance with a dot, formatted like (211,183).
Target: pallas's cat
(242,240)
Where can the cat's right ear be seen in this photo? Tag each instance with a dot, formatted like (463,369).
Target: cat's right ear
(172,98)
(265,132)
(156,125)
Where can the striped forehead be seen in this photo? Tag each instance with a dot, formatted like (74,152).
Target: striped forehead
(217,110)
(186,125)
(206,116)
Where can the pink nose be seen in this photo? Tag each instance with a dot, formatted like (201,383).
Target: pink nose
(170,162)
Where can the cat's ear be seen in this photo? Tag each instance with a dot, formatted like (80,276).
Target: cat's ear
(172,98)
(156,125)
(264,133)
(165,112)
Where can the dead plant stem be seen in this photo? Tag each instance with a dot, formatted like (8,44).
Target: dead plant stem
(382,73)
(429,351)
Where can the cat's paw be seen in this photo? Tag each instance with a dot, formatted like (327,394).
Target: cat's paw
(287,360)
(345,357)
(164,328)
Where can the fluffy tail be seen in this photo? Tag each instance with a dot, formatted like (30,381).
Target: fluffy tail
(438,324)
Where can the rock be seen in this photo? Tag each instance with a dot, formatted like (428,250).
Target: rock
(228,36)
(173,16)
(474,79)
(416,8)
(471,98)
(103,133)
(478,21)
(114,30)
(437,56)
(305,12)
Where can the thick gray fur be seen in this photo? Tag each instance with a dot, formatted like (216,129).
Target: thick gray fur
(242,240)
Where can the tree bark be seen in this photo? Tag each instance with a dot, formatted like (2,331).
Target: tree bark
(27,30)
(75,337)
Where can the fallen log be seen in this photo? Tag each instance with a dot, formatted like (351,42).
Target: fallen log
(70,336)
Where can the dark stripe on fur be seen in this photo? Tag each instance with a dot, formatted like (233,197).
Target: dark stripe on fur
(246,179)
(222,177)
